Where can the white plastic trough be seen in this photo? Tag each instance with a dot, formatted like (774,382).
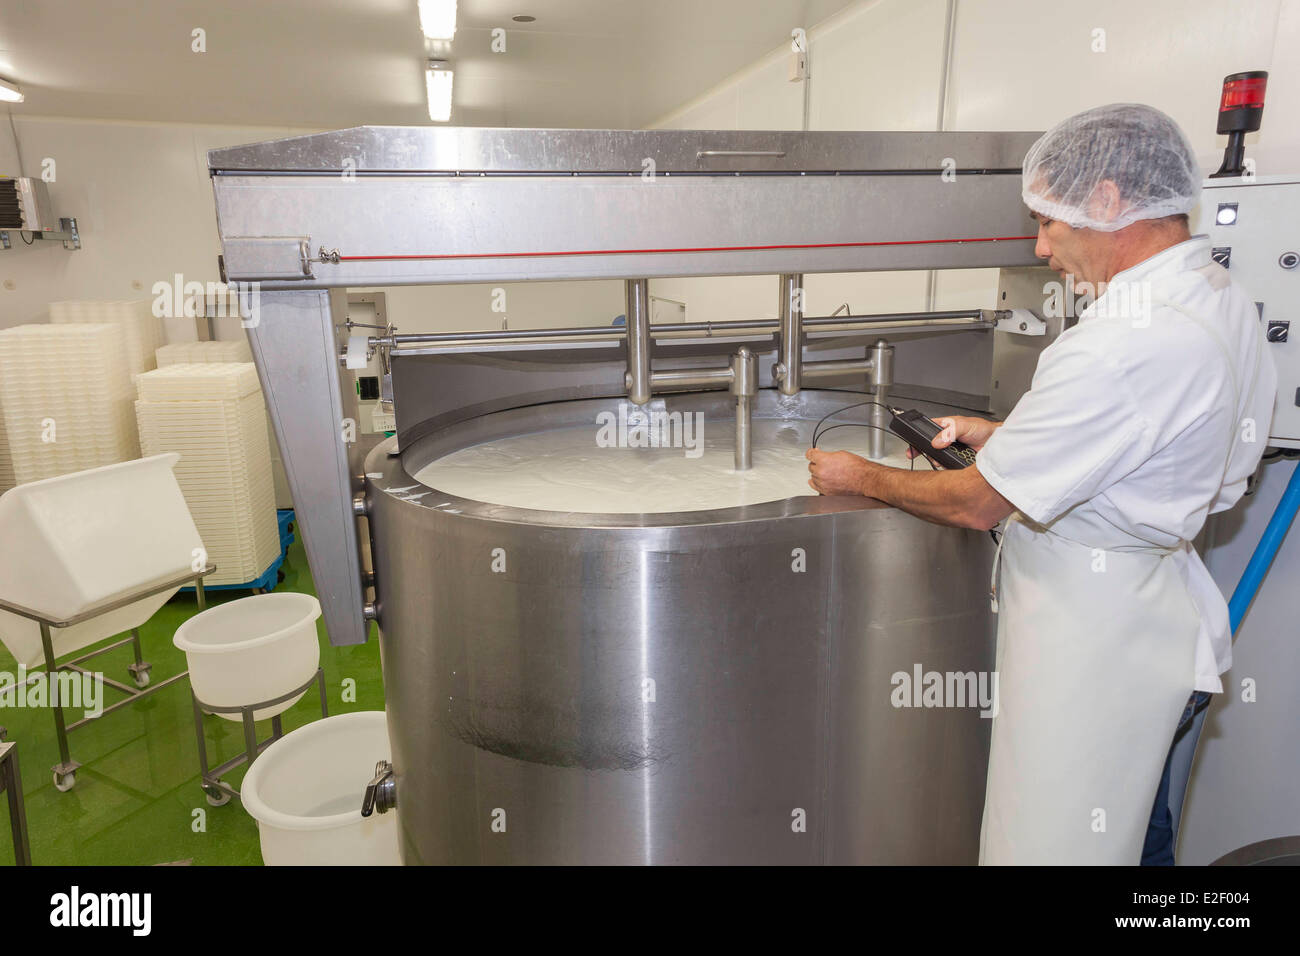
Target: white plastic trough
(85,539)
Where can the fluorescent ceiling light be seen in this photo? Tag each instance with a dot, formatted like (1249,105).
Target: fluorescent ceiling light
(438,84)
(10,92)
(438,19)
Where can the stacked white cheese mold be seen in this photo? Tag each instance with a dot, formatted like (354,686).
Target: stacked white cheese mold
(6,460)
(189,353)
(213,415)
(142,332)
(66,394)
(229,350)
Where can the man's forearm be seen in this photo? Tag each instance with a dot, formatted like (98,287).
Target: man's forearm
(959,498)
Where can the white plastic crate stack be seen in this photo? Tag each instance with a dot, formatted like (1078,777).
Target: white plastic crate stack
(230,350)
(6,461)
(141,328)
(213,415)
(65,391)
(189,353)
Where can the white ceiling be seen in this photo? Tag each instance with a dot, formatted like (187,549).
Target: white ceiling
(337,63)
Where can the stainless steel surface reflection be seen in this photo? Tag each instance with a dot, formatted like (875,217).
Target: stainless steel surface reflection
(704,687)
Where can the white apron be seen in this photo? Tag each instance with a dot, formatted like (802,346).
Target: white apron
(1094,670)
(1096,659)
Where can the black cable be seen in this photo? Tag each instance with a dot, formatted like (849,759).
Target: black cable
(18,150)
(30,242)
(864,425)
(845,409)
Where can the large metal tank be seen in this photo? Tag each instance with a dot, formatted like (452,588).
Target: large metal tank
(700,687)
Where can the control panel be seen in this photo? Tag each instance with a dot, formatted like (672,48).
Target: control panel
(1254,229)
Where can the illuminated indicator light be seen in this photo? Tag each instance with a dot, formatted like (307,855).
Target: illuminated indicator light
(1243,94)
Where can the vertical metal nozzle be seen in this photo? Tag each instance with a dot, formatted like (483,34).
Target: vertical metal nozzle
(881,378)
(790,346)
(744,386)
(638,340)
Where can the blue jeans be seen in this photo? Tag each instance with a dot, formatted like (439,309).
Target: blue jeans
(1158,849)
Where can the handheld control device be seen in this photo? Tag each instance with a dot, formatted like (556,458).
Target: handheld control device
(919,431)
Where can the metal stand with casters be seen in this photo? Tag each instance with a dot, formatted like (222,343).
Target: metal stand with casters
(12,784)
(217,791)
(65,771)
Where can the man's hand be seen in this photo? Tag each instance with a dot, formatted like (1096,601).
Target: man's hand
(969,431)
(961,498)
(836,472)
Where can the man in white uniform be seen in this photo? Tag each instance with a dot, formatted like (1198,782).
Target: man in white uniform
(1141,420)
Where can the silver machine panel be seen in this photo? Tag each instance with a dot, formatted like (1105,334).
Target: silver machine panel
(1250,224)
(522,692)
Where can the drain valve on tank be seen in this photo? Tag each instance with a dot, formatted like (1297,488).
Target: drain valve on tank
(381,792)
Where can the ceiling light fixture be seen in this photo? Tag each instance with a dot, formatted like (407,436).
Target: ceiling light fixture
(523,18)
(11,92)
(437,81)
(438,19)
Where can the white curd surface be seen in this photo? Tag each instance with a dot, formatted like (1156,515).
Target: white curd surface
(567,470)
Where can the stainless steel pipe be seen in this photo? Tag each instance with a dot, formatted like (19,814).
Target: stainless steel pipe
(744,386)
(637,316)
(790,346)
(881,379)
(690,378)
(970,317)
(832,368)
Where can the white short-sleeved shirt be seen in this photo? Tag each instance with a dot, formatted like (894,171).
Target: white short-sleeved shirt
(1143,419)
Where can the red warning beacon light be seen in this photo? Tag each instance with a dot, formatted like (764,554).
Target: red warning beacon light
(1241,110)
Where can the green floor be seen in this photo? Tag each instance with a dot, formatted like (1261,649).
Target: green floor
(137,791)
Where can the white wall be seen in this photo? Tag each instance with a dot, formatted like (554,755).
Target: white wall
(143,206)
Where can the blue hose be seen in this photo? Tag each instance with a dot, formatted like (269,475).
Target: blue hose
(1265,551)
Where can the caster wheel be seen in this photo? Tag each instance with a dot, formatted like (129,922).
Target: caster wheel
(63,782)
(215,796)
(141,679)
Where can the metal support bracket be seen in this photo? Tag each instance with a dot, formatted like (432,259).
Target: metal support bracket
(267,259)
(296,351)
(67,232)
(1020,322)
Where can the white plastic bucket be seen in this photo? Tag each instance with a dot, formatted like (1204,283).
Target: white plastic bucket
(305,793)
(84,539)
(250,650)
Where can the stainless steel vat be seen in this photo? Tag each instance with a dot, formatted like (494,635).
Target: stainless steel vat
(669,688)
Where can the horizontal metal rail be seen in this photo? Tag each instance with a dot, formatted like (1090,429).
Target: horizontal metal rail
(110,605)
(433,343)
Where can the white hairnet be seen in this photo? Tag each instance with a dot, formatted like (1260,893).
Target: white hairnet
(1138,148)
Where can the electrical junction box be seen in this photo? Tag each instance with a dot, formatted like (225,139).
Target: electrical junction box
(25,205)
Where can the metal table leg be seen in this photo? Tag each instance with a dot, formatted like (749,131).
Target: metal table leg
(217,790)
(140,669)
(65,772)
(250,733)
(11,782)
